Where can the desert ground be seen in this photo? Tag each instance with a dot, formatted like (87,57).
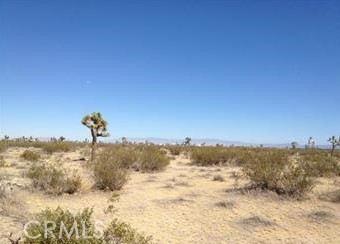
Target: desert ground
(182,204)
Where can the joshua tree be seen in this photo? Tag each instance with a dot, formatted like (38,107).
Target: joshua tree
(335,142)
(124,140)
(62,138)
(310,143)
(294,145)
(6,137)
(187,141)
(98,126)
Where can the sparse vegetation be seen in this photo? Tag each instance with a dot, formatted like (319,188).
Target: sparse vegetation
(208,156)
(70,228)
(11,204)
(218,178)
(272,170)
(2,162)
(319,163)
(3,146)
(175,150)
(110,168)
(53,147)
(53,179)
(82,221)
(120,232)
(30,155)
(152,159)
(256,221)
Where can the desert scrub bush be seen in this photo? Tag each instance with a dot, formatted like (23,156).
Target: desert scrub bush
(207,156)
(11,204)
(2,162)
(152,159)
(111,168)
(53,147)
(65,227)
(319,163)
(30,155)
(272,170)
(175,150)
(53,179)
(120,232)
(3,146)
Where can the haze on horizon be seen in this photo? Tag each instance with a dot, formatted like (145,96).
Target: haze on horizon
(251,71)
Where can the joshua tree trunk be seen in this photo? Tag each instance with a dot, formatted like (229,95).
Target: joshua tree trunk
(332,152)
(94,142)
(98,126)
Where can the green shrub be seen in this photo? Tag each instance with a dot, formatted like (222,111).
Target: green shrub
(152,159)
(2,162)
(120,232)
(110,169)
(53,179)
(80,228)
(63,218)
(175,150)
(30,155)
(271,170)
(53,147)
(207,156)
(3,146)
(319,163)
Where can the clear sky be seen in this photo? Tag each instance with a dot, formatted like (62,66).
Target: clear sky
(254,71)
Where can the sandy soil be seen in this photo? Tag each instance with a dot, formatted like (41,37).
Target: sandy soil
(183,204)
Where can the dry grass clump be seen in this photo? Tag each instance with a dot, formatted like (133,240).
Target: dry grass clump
(53,147)
(218,178)
(2,162)
(30,155)
(82,221)
(152,159)
(176,150)
(11,204)
(271,170)
(120,232)
(207,156)
(84,229)
(256,221)
(319,163)
(226,204)
(320,216)
(53,179)
(3,146)
(110,169)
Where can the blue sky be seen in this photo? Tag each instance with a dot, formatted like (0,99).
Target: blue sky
(254,71)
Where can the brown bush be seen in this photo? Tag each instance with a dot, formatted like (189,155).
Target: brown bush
(152,159)
(53,179)
(116,232)
(3,146)
(53,147)
(30,155)
(272,170)
(319,163)
(110,168)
